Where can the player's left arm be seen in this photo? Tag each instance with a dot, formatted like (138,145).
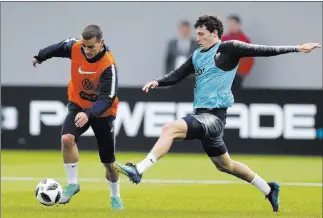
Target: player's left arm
(108,92)
(242,49)
(186,69)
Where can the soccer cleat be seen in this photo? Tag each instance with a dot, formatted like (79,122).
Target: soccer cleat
(116,203)
(273,196)
(68,192)
(130,171)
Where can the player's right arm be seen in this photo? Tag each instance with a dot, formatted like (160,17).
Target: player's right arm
(186,69)
(62,49)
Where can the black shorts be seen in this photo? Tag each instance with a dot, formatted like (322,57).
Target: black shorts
(208,126)
(103,128)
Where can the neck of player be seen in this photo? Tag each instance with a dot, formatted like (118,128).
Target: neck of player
(212,43)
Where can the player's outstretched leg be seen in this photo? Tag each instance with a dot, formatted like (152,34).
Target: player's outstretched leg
(174,130)
(216,149)
(71,158)
(271,190)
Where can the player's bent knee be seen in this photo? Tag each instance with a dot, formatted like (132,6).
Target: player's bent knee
(226,168)
(223,163)
(168,128)
(68,141)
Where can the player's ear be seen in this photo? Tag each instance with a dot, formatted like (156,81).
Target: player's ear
(215,33)
(102,42)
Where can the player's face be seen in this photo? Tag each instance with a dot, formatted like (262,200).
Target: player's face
(91,47)
(204,37)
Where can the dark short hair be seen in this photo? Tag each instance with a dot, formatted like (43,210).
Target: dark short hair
(185,23)
(236,18)
(92,31)
(211,23)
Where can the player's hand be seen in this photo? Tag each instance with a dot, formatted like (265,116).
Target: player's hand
(81,119)
(308,47)
(35,61)
(150,85)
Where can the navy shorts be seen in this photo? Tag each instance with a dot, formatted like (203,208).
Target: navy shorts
(207,125)
(103,128)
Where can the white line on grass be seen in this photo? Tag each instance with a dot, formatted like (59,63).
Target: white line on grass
(166,181)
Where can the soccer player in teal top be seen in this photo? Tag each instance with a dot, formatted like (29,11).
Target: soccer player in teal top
(214,65)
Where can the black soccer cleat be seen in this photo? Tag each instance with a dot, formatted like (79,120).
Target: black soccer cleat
(273,196)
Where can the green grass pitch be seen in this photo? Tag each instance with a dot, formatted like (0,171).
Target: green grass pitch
(162,194)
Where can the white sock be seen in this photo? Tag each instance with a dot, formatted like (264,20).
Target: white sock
(114,188)
(71,172)
(146,163)
(261,184)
